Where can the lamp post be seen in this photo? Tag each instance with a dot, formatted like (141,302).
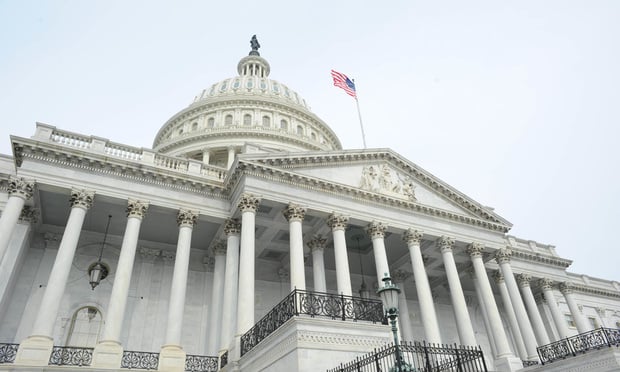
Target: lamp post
(389,297)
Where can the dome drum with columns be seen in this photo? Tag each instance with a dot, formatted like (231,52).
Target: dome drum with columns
(214,227)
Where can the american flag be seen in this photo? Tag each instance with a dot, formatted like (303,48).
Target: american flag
(342,81)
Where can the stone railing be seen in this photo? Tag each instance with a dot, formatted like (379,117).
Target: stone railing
(313,304)
(581,343)
(137,155)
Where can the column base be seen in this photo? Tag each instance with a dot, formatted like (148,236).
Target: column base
(34,351)
(172,358)
(107,354)
(508,363)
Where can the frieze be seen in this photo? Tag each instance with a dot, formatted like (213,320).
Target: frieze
(384,180)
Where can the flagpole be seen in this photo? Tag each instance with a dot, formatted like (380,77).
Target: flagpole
(359,114)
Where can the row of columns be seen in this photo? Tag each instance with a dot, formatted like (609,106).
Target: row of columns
(234,276)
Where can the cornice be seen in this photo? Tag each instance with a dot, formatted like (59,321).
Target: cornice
(540,258)
(594,291)
(69,157)
(312,183)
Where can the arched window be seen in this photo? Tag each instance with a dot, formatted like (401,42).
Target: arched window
(313,136)
(300,130)
(211,122)
(228,120)
(180,131)
(194,126)
(283,124)
(85,327)
(247,119)
(266,121)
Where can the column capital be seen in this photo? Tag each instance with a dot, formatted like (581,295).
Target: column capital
(475,249)
(399,276)
(294,212)
(524,280)
(337,221)
(317,243)
(81,198)
(168,256)
(566,288)
(232,226)
(498,276)
(376,229)
(18,186)
(445,243)
(412,236)
(546,284)
(283,273)
(187,218)
(219,248)
(29,214)
(248,203)
(503,255)
(136,208)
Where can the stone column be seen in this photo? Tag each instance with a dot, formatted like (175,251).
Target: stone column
(505,360)
(20,190)
(215,311)
(483,310)
(510,313)
(232,229)
(528,297)
(463,321)
(425,296)
(376,231)
(399,277)
(245,310)
(109,351)
(317,246)
(172,356)
(343,277)
(231,156)
(580,320)
(36,349)
(206,155)
(294,214)
(503,259)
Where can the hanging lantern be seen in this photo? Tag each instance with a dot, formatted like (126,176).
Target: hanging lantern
(97,271)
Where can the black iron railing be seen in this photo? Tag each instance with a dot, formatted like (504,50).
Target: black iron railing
(314,304)
(71,356)
(581,343)
(199,363)
(139,360)
(419,357)
(8,352)
(224,359)
(529,363)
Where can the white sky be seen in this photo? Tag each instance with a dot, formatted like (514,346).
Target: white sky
(515,103)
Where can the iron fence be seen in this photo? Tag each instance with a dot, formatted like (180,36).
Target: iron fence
(8,352)
(71,356)
(224,359)
(140,360)
(314,304)
(581,343)
(419,357)
(199,363)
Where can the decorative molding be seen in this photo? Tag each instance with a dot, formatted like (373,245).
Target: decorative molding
(498,276)
(445,243)
(232,226)
(524,280)
(248,203)
(149,254)
(503,255)
(540,258)
(376,230)
(219,248)
(400,276)
(317,243)
(475,249)
(20,187)
(381,179)
(29,214)
(136,208)
(187,218)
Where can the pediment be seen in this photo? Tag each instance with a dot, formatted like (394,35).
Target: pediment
(380,174)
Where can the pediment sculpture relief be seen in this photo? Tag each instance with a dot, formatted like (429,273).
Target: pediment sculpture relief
(382,179)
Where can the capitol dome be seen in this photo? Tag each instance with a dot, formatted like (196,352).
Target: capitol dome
(249,112)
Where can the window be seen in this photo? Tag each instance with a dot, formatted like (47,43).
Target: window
(570,321)
(247,119)
(194,126)
(85,327)
(266,121)
(180,131)
(283,124)
(211,122)
(300,130)
(228,120)
(313,136)
(617,324)
(593,322)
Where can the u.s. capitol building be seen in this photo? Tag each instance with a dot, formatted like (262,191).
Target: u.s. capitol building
(247,239)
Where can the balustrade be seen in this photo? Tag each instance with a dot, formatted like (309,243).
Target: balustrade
(71,356)
(8,352)
(140,360)
(581,343)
